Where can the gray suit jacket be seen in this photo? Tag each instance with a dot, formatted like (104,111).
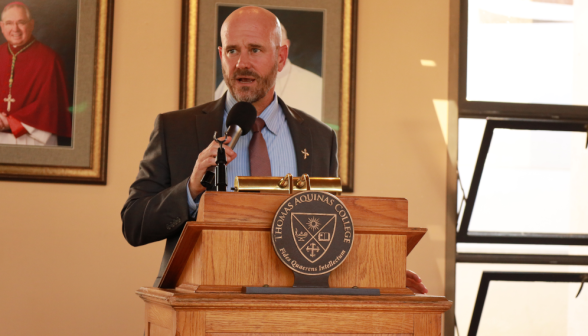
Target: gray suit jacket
(157,207)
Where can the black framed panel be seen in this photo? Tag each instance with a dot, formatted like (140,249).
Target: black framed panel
(537,259)
(465,236)
(483,109)
(515,276)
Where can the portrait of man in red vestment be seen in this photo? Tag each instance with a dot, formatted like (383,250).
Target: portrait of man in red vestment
(34,100)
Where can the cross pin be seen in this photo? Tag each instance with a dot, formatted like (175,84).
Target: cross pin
(303,152)
(10,100)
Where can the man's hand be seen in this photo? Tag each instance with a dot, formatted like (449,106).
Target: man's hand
(414,283)
(4,125)
(207,158)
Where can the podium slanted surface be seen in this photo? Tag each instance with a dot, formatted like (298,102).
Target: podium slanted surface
(229,247)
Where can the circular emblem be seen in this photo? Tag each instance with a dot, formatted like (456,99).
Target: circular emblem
(312,232)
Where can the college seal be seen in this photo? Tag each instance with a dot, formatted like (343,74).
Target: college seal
(312,232)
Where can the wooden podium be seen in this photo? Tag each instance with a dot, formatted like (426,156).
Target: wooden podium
(229,247)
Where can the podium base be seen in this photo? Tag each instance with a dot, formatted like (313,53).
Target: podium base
(312,291)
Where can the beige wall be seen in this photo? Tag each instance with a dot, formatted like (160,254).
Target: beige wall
(65,266)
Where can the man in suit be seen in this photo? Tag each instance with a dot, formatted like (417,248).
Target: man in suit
(167,190)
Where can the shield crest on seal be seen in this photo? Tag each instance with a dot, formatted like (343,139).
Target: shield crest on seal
(313,233)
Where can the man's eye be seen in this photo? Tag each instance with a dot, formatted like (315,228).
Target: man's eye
(231,51)
(255,50)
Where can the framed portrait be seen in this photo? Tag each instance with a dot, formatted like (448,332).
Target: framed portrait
(318,77)
(54,85)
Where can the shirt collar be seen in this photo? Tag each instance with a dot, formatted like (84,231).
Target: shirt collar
(271,114)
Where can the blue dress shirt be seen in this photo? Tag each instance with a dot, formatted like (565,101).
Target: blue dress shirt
(279,146)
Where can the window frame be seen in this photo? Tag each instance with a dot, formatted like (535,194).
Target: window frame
(466,236)
(483,109)
(488,276)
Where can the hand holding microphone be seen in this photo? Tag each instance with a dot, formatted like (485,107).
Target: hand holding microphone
(239,122)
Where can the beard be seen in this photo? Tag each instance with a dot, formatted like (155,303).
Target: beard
(251,94)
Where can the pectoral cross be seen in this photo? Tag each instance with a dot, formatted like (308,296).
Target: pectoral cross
(312,248)
(9,100)
(305,153)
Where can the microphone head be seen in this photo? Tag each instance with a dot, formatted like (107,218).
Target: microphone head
(243,115)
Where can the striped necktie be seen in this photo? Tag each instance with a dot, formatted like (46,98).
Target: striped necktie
(259,161)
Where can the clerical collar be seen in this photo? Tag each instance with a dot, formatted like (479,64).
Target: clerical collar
(271,114)
(20,47)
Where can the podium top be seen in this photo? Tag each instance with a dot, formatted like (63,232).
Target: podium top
(224,207)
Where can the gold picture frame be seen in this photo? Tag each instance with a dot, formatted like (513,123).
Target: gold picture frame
(338,59)
(84,161)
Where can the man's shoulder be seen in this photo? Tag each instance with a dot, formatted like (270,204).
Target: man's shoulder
(181,117)
(308,120)
(43,50)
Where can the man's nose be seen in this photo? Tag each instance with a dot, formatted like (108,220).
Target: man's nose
(244,61)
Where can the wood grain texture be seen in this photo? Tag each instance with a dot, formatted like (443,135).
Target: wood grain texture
(190,242)
(261,208)
(186,288)
(155,330)
(235,258)
(160,315)
(182,253)
(414,304)
(249,214)
(191,322)
(230,247)
(274,334)
(247,258)
(427,325)
(308,321)
(374,261)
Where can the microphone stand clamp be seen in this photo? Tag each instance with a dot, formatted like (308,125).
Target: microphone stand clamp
(215,178)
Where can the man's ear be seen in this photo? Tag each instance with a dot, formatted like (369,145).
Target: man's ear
(32,24)
(220,52)
(282,57)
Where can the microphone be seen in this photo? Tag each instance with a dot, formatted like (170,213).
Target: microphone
(240,121)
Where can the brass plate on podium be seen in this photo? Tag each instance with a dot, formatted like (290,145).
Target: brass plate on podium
(287,184)
(312,233)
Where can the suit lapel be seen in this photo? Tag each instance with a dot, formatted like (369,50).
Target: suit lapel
(211,115)
(301,137)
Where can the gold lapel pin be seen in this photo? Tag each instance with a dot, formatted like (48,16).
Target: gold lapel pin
(305,153)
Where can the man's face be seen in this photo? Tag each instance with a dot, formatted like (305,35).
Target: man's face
(17,28)
(250,60)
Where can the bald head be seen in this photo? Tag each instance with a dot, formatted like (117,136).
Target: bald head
(253,18)
(251,55)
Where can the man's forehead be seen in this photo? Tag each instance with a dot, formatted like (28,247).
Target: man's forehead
(15,13)
(246,34)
